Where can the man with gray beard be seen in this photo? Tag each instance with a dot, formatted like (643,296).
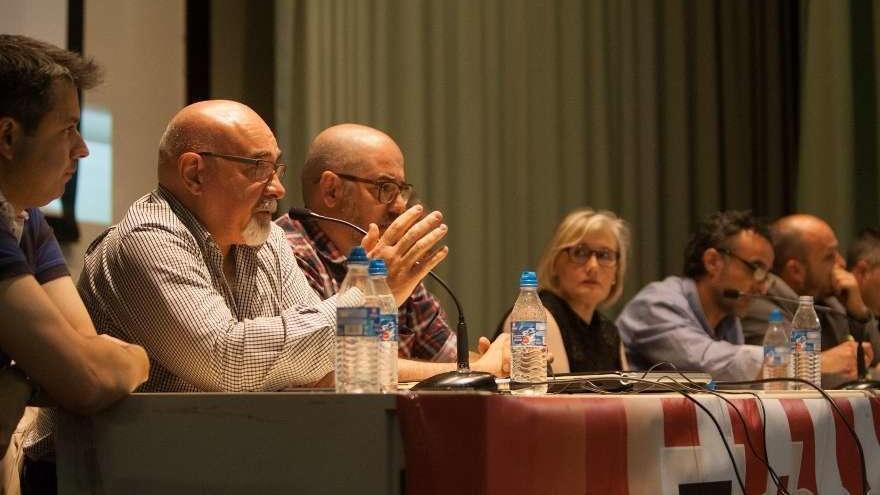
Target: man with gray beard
(198,273)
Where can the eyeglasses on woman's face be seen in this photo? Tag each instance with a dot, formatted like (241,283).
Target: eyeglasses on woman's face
(581,253)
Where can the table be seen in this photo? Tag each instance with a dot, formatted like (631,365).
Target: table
(462,443)
(247,443)
(635,444)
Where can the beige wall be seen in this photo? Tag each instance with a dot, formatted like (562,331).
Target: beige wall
(42,19)
(142,47)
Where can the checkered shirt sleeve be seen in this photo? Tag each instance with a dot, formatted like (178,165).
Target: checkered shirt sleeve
(157,280)
(311,262)
(422,335)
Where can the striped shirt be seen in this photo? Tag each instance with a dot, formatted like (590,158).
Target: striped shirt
(156,279)
(421,322)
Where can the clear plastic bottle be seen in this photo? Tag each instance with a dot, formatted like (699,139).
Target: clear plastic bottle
(528,328)
(357,349)
(387,326)
(777,352)
(806,343)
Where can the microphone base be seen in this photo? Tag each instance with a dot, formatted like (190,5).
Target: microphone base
(861,385)
(459,381)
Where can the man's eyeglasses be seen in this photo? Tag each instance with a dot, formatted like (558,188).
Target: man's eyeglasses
(388,190)
(759,273)
(261,170)
(581,253)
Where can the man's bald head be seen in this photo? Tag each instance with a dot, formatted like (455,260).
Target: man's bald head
(343,148)
(806,254)
(207,160)
(214,125)
(793,236)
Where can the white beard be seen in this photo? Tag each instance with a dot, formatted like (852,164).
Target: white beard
(256,232)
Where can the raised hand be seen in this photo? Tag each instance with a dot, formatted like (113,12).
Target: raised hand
(406,246)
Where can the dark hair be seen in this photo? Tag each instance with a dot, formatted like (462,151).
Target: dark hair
(714,232)
(28,68)
(865,247)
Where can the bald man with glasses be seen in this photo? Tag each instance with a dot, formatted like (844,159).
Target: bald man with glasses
(356,173)
(808,263)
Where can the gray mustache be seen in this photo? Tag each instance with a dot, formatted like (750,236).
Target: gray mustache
(268,205)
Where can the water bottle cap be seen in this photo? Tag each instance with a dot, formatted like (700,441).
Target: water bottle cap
(776,316)
(378,267)
(528,279)
(805,299)
(358,255)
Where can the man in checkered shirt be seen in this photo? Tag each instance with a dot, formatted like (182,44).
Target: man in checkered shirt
(198,274)
(356,173)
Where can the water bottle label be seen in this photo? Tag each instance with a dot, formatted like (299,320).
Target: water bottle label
(387,328)
(356,322)
(798,340)
(528,333)
(802,341)
(775,355)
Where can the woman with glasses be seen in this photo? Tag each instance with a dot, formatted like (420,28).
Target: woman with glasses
(581,270)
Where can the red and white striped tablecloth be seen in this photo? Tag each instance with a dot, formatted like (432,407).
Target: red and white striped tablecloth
(635,444)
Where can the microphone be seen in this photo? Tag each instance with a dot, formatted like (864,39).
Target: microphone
(463,378)
(862,371)
(736,294)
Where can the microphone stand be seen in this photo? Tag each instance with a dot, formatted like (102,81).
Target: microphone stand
(862,382)
(463,378)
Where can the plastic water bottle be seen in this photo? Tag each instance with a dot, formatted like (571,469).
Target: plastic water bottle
(777,352)
(806,343)
(528,328)
(356,343)
(387,326)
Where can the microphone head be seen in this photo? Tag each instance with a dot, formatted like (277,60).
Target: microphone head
(731,294)
(300,213)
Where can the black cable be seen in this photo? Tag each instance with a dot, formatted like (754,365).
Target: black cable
(683,390)
(739,479)
(764,436)
(766,460)
(694,387)
(773,474)
(834,407)
(657,365)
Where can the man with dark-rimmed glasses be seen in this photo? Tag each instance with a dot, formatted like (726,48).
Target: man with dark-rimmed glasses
(692,321)
(356,173)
